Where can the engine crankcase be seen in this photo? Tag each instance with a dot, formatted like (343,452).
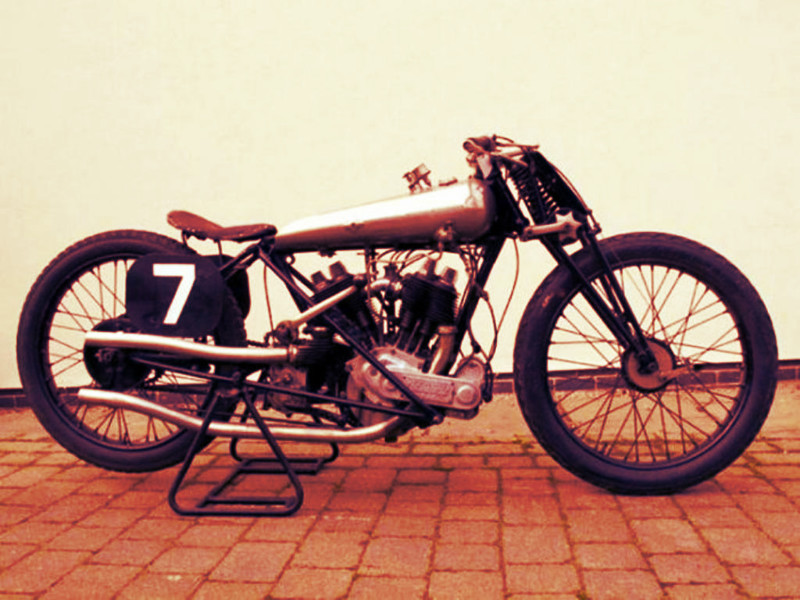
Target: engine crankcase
(460,394)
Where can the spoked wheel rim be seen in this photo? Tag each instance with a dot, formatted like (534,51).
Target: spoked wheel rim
(95,299)
(649,420)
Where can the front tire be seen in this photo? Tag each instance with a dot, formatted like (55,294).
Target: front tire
(84,289)
(637,433)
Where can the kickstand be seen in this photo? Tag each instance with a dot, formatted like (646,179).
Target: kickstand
(260,506)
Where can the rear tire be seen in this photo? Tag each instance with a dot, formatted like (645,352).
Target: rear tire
(634,433)
(81,289)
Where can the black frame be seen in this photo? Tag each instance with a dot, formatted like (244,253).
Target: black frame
(511,222)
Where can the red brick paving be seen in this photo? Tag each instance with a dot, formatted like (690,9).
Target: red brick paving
(431,517)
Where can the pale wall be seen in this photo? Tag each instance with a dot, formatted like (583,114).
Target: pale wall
(669,115)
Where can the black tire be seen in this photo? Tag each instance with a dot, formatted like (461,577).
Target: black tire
(600,418)
(81,288)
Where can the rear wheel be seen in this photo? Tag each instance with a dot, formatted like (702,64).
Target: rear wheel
(600,414)
(83,289)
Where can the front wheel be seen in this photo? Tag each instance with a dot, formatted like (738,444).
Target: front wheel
(83,289)
(593,408)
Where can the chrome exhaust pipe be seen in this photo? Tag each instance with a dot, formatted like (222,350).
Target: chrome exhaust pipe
(187,349)
(225,429)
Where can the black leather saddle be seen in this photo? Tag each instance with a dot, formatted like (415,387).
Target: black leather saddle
(201,228)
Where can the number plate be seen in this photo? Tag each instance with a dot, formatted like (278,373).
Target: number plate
(174,295)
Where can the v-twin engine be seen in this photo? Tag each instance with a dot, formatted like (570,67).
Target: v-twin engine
(409,322)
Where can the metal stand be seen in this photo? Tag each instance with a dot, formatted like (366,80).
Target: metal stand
(217,503)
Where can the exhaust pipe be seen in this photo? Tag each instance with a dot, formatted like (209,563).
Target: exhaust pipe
(187,349)
(194,350)
(224,429)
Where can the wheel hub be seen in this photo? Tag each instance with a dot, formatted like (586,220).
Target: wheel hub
(648,380)
(111,368)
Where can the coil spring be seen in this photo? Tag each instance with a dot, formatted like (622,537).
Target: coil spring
(534,192)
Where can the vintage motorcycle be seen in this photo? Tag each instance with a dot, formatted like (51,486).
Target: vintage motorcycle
(644,363)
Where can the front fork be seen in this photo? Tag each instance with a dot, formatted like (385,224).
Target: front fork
(613,309)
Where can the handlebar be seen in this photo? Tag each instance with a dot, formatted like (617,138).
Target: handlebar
(496,146)
(477,145)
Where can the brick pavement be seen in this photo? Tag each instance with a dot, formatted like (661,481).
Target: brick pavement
(468,510)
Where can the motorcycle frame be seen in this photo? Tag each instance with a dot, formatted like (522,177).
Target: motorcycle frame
(510,222)
(279,263)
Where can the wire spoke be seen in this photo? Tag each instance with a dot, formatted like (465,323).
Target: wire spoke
(94,296)
(636,425)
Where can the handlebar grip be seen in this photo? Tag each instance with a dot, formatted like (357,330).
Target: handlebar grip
(484,142)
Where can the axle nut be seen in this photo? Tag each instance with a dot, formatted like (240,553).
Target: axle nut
(466,395)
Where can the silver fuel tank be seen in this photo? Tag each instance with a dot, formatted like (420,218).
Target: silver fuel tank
(465,210)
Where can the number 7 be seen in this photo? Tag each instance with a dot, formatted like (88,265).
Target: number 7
(186,273)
